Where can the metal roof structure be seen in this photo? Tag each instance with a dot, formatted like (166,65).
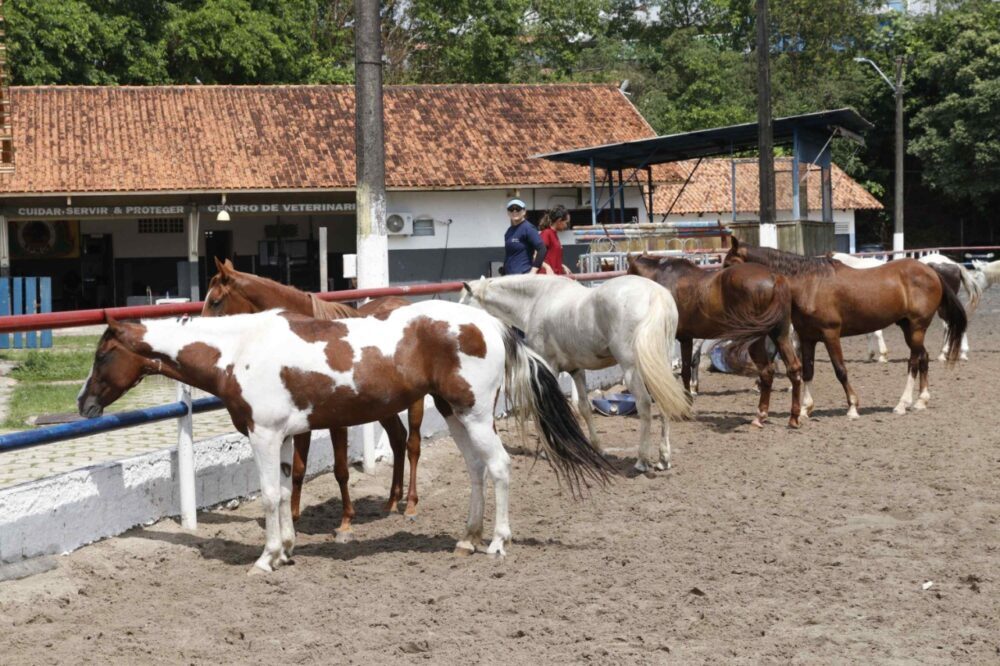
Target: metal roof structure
(809,134)
(716,141)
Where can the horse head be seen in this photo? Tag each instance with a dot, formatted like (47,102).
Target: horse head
(737,253)
(474,293)
(224,295)
(117,368)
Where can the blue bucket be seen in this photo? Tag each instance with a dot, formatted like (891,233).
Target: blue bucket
(615,404)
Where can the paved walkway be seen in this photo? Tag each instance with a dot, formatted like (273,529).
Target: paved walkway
(49,459)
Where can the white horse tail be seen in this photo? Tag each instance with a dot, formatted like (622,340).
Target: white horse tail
(654,341)
(533,391)
(972,288)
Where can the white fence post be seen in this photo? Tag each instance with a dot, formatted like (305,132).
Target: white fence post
(368,448)
(185,460)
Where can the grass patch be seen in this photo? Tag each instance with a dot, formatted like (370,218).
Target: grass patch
(33,399)
(52,366)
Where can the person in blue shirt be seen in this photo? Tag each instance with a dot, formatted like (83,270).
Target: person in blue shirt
(524,250)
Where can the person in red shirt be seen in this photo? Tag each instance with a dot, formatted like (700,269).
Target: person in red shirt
(554,221)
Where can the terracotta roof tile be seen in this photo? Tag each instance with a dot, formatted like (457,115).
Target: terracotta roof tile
(710,191)
(159,138)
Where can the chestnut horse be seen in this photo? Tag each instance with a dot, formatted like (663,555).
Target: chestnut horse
(279,374)
(745,304)
(233,292)
(831,301)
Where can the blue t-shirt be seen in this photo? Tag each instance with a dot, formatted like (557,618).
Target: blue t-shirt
(523,248)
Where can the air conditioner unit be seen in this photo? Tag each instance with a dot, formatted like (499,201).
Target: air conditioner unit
(399,224)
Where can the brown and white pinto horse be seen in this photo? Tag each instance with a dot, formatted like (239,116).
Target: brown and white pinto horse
(746,304)
(831,301)
(233,292)
(279,374)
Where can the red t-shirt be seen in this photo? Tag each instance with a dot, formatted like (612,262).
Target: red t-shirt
(553,254)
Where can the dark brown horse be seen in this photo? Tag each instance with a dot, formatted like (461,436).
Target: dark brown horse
(831,301)
(232,292)
(746,304)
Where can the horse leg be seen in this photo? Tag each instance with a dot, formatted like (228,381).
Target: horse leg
(808,348)
(925,393)
(486,444)
(793,368)
(832,342)
(397,442)
(871,346)
(285,509)
(765,370)
(883,351)
(647,459)
(299,461)
(266,448)
(686,354)
(944,348)
(583,403)
(415,419)
(477,502)
(913,367)
(695,365)
(342,472)
(965,347)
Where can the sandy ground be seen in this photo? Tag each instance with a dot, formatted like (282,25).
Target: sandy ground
(776,545)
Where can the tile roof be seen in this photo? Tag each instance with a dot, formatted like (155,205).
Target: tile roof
(179,138)
(710,189)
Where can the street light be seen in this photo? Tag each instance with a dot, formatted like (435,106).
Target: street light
(897,89)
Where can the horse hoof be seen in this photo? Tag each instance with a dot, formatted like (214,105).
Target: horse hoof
(662,466)
(258,570)
(464,550)
(411,517)
(641,467)
(756,423)
(852,414)
(883,359)
(344,536)
(942,358)
(794,423)
(919,405)
(392,506)
(964,357)
(899,409)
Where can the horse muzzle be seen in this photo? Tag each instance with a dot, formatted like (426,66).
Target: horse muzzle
(89,407)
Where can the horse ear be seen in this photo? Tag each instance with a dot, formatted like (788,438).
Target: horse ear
(229,264)
(219,266)
(113,324)
(467,288)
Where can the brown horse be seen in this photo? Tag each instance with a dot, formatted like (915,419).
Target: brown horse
(232,292)
(745,304)
(831,301)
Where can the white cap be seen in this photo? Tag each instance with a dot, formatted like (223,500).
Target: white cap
(516,202)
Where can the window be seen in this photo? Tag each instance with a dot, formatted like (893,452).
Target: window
(423,226)
(159,225)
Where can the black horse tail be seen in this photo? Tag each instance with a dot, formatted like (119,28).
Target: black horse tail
(534,392)
(953,314)
(746,328)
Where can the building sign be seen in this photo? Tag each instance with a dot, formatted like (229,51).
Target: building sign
(77,212)
(282,208)
(45,239)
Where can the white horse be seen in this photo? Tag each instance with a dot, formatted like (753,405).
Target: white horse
(973,287)
(985,274)
(628,320)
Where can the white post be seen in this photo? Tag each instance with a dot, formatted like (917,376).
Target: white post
(185,461)
(324,282)
(4,248)
(368,450)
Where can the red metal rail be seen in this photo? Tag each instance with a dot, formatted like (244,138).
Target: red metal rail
(73,318)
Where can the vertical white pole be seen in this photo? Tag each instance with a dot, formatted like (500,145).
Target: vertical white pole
(185,461)
(368,452)
(324,282)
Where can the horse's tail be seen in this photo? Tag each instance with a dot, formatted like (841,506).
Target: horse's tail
(743,328)
(972,288)
(533,391)
(653,344)
(953,314)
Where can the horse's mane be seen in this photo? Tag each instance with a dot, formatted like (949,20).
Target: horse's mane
(790,263)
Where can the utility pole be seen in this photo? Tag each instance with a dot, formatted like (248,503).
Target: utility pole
(369,141)
(765,131)
(897,232)
(897,88)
